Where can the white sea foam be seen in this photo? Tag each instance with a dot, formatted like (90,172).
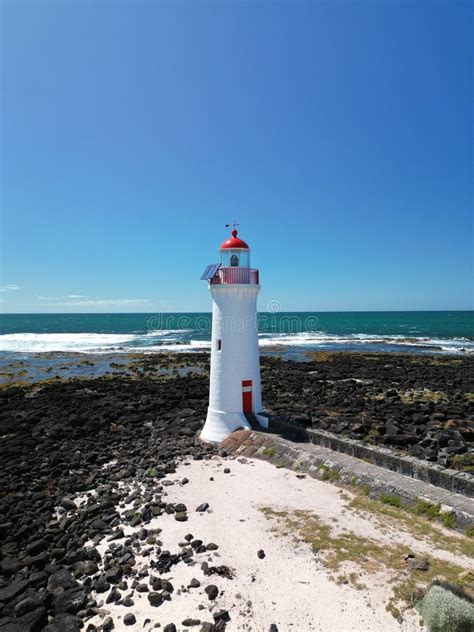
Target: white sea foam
(40,343)
(319,338)
(181,340)
(178,345)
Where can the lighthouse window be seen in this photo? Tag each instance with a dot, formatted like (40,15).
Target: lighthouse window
(219,344)
(235,258)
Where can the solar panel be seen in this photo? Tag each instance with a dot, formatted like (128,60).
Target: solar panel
(210,271)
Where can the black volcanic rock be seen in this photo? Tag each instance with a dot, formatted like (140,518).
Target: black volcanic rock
(212,591)
(61,580)
(65,623)
(30,622)
(155,599)
(70,601)
(13,590)
(395,400)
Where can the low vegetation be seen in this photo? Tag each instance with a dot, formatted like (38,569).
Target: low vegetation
(340,549)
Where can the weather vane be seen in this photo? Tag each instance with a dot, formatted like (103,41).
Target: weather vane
(234,224)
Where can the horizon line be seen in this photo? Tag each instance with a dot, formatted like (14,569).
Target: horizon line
(306,311)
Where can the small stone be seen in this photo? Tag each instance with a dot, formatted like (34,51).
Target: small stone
(141,588)
(181,516)
(417,563)
(116,535)
(107,623)
(202,507)
(169,628)
(13,590)
(212,591)
(194,583)
(67,503)
(190,622)
(211,546)
(113,596)
(66,623)
(28,604)
(61,580)
(90,567)
(155,599)
(101,585)
(260,554)
(222,615)
(226,470)
(114,575)
(129,619)
(273,628)
(70,601)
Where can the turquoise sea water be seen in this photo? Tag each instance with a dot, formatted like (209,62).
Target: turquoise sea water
(422,332)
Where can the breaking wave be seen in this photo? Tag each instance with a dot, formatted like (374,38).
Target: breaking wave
(197,340)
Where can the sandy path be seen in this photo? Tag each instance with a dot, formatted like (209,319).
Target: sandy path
(289,587)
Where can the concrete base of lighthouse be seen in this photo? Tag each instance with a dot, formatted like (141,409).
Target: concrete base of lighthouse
(220,424)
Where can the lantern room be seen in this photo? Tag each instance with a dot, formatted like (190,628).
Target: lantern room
(235,252)
(234,266)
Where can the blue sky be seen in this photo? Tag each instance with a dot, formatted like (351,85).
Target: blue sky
(339,135)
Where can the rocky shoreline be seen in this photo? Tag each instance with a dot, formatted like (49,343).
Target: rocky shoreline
(423,406)
(67,439)
(62,439)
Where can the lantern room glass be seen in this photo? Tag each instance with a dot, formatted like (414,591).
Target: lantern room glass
(235,257)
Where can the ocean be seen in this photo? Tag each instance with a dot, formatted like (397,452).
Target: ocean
(448,332)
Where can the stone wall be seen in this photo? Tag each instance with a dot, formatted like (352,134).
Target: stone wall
(347,470)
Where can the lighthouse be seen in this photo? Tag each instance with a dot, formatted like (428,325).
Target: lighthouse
(235,399)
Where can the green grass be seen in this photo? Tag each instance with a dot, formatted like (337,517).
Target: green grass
(464,462)
(330,474)
(370,437)
(269,451)
(390,499)
(419,521)
(448,519)
(369,555)
(425,508)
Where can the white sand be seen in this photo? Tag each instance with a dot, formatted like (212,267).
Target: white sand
(290,586)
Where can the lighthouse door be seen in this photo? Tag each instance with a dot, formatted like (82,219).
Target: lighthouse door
(247,396)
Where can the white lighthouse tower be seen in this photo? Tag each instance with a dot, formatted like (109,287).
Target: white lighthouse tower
(235,399)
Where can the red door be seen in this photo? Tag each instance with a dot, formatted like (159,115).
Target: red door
(247,396)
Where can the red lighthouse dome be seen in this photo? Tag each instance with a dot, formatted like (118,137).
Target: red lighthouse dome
(234,242)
